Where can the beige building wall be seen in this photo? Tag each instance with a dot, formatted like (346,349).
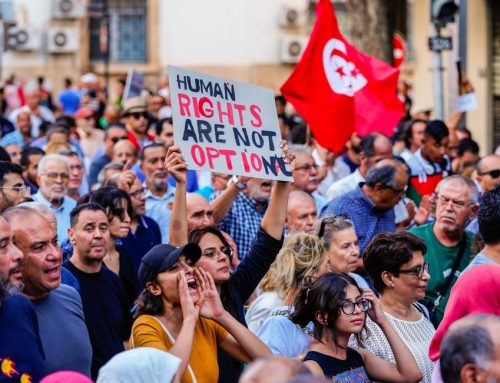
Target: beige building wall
(479,120)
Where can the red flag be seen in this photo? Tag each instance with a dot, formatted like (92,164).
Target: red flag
(339,90)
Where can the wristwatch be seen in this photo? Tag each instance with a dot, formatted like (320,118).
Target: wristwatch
(236,181)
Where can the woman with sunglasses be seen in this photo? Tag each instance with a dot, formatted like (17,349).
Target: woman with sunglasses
(337,308)
(118,207)
(342,247)
(395,264)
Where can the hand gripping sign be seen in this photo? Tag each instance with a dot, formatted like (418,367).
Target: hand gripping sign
(226,126)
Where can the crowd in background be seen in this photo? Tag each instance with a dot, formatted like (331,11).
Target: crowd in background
(120,264)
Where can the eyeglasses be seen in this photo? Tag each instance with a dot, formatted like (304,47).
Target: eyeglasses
(419,271)
(18,188)
(169,134)
(114,140)
(397,191)
(492,173)
(329,221)
(137,193)
(138,115)
(53,176)
(212,252)
(307,167)
(456,204)
(348,307)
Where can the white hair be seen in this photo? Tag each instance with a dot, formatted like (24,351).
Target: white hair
(51,158)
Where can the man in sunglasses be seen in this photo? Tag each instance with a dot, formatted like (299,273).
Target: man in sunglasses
(135,116)
(488,173)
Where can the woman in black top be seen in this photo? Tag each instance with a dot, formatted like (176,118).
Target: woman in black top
(337,307)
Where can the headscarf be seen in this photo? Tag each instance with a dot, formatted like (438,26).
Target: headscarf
(140,365)
(477,291)
(66,377)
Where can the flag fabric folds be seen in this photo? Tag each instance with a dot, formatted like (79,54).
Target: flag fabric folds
(339,90)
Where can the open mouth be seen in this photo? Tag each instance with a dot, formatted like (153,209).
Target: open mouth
(192,284)
(54,273)
(266,184)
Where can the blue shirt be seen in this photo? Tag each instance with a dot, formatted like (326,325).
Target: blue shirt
(157,209)
(242,222)
(368,220)
(191,182)
(61,213)
(147,234)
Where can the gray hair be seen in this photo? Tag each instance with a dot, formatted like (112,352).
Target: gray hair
(101,177)
(299,149)
(467,341)
(38,207)
(463,181)
(51,158)
(331,226)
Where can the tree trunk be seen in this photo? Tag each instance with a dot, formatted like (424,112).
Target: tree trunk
(370,28)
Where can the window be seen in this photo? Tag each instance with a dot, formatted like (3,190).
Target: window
(127,31)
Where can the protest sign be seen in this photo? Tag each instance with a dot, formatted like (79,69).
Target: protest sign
(133,86)
(226,126)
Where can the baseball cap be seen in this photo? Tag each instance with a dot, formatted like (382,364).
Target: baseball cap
(162,257)
(84,113)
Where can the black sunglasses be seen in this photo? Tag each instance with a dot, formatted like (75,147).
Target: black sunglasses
(114,140)
(329,221)
(492,173)
(138,115)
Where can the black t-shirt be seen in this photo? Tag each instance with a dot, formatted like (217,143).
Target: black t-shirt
(352,369)
(107,314)
(21,352)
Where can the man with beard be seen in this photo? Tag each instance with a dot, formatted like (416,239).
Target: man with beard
(58,307)
(30,157)
(158,192)
(12,187)
(448,243)
(53,178)
(103,296)
(21,352)
(135,116)
(305,174)
(301,213)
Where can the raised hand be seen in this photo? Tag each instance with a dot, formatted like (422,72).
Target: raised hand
(176,164)
(375,311)
(126,178)
(190,309)
(288,156)
(212,306)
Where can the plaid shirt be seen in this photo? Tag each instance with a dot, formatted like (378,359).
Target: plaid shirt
(367,219)
(242,222)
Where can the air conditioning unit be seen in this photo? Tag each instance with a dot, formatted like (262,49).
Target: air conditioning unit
(63,40)
(24,39)
(68,9)
(292,48)
(292,17)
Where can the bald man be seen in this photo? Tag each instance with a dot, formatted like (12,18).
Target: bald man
(488,172)
(199,212)
(301,213)
(123,151)
(273,369)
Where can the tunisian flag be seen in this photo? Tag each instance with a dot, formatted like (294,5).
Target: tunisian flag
(339,90)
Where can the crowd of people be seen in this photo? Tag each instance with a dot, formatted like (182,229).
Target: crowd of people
(120,264)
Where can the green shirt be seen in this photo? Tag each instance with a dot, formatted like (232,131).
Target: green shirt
(441,260)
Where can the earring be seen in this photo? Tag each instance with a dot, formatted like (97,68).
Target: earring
(391,285)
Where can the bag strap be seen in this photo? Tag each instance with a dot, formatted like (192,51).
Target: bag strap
(447,284)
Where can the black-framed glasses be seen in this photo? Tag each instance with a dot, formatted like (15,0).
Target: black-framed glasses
(419,271)
(213,252)
(348,307)
(397,191)
(329,221)
(495,173)
(307,167)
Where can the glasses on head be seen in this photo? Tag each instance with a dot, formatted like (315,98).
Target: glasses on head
(348,307)
(307,167)
(456,204)
(329,221)
(114,140)
(18,188)
(492,173)
(138,115)
(53,176)
(419,271)
(213,252)
(137,193)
